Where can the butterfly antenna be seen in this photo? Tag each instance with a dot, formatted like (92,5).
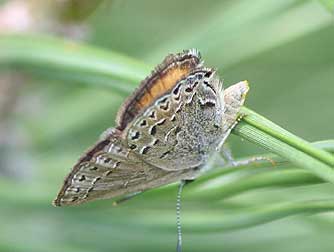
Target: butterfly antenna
(178,216)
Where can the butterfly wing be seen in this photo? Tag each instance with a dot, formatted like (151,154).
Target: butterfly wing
(110,169)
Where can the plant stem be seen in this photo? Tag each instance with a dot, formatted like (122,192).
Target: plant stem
(274,130)
(262,132)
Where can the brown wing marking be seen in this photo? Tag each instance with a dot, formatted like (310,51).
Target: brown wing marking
(162,79)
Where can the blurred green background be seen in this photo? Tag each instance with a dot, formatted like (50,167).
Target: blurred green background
(285,49)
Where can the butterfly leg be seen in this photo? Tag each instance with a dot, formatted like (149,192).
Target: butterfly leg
(230,161)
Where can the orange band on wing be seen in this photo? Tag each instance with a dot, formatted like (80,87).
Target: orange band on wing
(162,85)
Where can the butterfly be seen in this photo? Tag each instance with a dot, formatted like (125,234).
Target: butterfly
(165,132)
